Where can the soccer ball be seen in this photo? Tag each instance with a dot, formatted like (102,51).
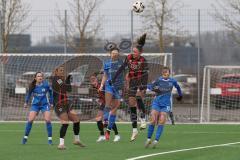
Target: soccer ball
(138,7)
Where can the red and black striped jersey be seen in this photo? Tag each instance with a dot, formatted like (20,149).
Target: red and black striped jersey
(137,66)
(101,94)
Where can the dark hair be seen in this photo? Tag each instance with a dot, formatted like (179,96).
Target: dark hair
(94,75)
(141,42)
(33,83)
(114,48)
(166,68)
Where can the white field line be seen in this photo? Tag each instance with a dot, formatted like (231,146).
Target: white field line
(182,150)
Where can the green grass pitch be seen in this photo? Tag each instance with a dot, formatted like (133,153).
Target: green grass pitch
(180,136)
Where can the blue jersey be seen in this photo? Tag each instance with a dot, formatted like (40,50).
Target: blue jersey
(110,69)
(163,88)
(40,94)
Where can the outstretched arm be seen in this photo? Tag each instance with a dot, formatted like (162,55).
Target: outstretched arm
(119,71)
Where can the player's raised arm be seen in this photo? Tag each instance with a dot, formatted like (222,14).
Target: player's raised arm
(120,70)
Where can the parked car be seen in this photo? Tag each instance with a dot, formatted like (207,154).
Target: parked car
(10,84)
(188,84)
(229,97)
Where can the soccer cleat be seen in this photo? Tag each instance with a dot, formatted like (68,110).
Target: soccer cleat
(107,135)
(147,143)
(134,136)
(101,139)
(79,143)
(143,124)
(154,144)
(116,138)
(24,140)
(61,147)
(50,142)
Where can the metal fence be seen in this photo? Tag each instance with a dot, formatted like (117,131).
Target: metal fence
(200,41)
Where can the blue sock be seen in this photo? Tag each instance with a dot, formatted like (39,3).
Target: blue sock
(28,128)
(150,131)
(49,128)
(106,111)
(112,120)
(159,132)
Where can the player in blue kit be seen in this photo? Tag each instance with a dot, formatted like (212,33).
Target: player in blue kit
(40,102)
(161,105)
(112,94)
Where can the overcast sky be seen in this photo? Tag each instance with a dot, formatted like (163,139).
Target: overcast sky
(112,25)
(112,4)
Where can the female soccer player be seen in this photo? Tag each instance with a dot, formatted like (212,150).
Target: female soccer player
(112,95)
(99,117)
(39,89)
(62,107)
(161,104)
(138,77)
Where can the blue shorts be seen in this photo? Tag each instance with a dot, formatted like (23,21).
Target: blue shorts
(113,91)
(160,108)
(37,108)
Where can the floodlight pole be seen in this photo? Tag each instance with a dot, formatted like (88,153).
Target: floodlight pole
(132,30)
(65,31)
(198,64)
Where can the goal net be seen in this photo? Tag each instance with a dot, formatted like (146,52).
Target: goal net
(221,94)
(17,71)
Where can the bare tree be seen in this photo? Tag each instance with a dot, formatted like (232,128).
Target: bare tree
(13,15)
(227,12)
(159,19)
(82,24)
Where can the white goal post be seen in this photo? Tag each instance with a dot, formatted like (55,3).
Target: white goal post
(220,94)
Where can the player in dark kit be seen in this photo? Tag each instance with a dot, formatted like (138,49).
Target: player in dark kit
(99,117)
(62,106)
(138,78)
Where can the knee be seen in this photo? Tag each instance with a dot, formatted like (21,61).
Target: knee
(162,121)
(152,121)
(98,118)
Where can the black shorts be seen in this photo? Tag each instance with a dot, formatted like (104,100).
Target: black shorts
(134,85)
(63,108)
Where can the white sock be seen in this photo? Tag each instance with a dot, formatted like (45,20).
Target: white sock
(49,138)
(135,130)
(26,137)
(76,137)
(61,141)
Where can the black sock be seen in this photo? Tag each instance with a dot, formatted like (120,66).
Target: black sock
(141,106)
(63,130)
(114,128)
(100,127)
(171,117)
(76,128)
(133,116)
